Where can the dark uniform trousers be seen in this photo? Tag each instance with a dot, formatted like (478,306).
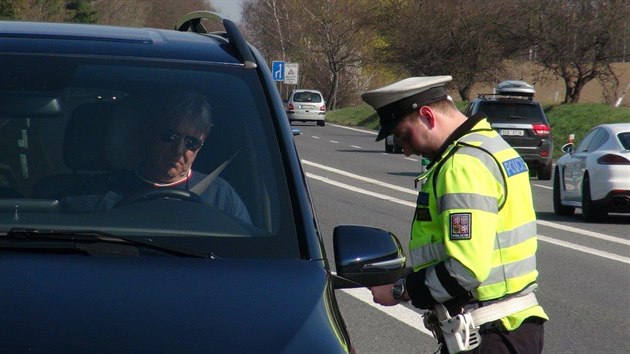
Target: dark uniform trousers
(528,338)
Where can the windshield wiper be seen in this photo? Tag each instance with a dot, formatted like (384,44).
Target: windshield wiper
(44,238)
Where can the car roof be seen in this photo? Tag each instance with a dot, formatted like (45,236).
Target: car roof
(88,39)
(306,90)
(616,127)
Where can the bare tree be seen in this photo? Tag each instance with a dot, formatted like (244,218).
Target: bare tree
(443,37)
(166,13)
(338,34)
(326,37)
(122,12)
(574,39)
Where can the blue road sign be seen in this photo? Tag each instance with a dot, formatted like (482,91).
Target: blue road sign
(277,70)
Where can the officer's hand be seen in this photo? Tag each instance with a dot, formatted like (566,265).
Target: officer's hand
(383,295)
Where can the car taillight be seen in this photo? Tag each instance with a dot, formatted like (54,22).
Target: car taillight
(541,129)
(610,159)
(322,108)
(290,107)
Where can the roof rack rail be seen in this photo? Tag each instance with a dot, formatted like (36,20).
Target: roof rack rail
(505,96)
(192,21)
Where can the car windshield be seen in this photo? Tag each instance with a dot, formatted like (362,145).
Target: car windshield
(77,136)
(307,97)
(502,112)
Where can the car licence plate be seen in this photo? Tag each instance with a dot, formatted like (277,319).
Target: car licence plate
(306,106)
(511,132)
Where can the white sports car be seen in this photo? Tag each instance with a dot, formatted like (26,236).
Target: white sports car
(595,176)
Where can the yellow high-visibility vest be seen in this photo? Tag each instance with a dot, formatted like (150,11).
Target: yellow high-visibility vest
(475,213)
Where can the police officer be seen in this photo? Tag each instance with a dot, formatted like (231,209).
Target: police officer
(473,237)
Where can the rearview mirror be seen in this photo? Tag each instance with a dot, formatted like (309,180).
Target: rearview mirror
(366,256)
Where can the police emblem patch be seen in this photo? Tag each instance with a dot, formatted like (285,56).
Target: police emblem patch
(460,225)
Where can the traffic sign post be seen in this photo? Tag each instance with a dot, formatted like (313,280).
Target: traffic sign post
(277,70)
(291,72)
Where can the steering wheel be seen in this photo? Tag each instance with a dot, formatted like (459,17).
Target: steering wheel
(159,193)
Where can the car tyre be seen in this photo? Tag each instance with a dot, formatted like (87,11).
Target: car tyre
(389,148)
(558,208)
(544,173)
(589,211)
(321,123)
(398,149)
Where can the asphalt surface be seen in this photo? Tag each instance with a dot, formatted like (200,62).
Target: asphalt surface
(584,267)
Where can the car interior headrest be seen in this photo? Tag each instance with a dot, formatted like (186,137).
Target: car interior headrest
(84,137)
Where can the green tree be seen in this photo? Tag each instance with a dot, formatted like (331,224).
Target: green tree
(7,11)
(82,11)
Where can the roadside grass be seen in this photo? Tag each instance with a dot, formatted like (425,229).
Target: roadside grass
(565,119)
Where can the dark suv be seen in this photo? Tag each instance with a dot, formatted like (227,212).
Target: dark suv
(96,256)
(521,121)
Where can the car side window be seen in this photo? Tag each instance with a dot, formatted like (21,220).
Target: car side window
(583,146)
(598,140)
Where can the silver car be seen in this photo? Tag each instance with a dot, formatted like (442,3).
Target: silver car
(306,106)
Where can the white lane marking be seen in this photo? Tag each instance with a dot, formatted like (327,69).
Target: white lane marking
(586,232)
(541,186)
(356,147)
(589,250)
(399,312)
(355,129)
(359,190)
(315,137)
(411,159)
(360,178)
(414,319)
(334,142)
(592,234)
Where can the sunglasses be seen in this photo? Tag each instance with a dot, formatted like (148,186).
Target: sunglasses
(190,142)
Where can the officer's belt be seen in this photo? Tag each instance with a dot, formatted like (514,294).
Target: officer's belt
(498,310)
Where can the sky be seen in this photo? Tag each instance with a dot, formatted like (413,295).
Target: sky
(229,8)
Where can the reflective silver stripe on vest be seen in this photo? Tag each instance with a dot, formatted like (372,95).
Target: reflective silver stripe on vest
(464,277)
(500,273)
(435,286)
(516,236)
(457,271)
(493,144)
(467,201)
(485,159)
(427,253)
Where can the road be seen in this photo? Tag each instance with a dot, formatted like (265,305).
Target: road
(584,268)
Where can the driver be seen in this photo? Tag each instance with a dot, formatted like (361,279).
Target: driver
(171,144)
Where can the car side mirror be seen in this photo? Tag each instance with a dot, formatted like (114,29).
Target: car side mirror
(567,148)
(367,256)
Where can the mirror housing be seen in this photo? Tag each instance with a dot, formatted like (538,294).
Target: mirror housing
(367,256)
(567,148)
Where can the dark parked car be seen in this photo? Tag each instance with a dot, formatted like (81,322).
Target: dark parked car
(521,121)
(392,144)
(85,267)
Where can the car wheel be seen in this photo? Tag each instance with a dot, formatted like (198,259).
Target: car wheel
(589,210)
(544,173)
(558,208)
(398,149)
(321,123)
(389,148)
